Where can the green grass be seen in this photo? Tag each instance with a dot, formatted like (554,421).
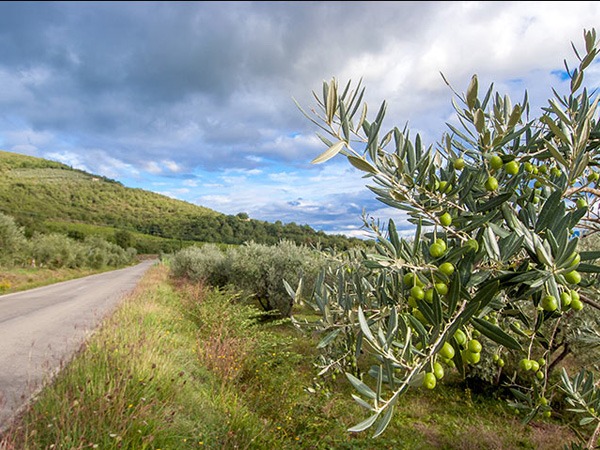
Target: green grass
(182,367)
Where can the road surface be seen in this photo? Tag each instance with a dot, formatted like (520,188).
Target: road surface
(41,329)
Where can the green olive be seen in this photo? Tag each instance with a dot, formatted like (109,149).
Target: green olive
(496,162)
(491,184)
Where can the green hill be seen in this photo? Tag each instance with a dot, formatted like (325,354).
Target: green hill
(45,195)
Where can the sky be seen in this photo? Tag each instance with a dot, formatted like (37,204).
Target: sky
(195,100)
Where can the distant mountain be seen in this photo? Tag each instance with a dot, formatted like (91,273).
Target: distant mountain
(45,195)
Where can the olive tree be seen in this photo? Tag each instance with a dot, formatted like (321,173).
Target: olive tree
(12,240)
(494,259)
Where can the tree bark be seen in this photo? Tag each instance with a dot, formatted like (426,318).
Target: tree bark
(559,358)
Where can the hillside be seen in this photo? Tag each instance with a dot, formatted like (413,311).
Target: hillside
(45,195)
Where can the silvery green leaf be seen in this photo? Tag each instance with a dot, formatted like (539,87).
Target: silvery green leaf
(590,40)
(556,154)
(385,420)
(362,403)
(587,420)
(364,326)
(325,140)
(332,99)
(552,288)
(556,130)
(289,290)
(479,120)
(364,424)
(361,387)
(345,122)
(329,338)
(472,92)
(329,153)
(543,255)
(515,116)
(361,164)
(559,112)
(495,333)
(491,245)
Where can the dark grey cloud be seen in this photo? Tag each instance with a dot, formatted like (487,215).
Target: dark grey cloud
(24,28)
(129,69)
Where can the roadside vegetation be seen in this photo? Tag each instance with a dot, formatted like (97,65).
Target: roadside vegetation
(181,365)
(257,270)
(46,258)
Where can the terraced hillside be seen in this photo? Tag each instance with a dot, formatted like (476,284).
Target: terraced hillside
(46,195)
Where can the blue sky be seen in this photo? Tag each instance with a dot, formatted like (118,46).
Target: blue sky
(195,99)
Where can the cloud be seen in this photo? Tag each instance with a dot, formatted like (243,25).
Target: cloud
(201,94)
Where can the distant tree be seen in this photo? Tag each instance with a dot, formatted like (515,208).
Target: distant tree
(76,234)
(155,230)
(12,239)
(124,239)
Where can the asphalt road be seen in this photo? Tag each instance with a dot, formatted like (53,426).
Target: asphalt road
(41,329)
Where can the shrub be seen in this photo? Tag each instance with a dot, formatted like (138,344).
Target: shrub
(260,270)
(12,240)
(257,269)
(54,250)
(103,253)
(207,264)
(4,285)
(124,239)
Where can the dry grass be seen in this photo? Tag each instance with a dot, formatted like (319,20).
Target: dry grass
(224,354)
(20,279)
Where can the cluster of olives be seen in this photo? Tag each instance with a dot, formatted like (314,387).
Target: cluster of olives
(498,360)
(418,290)
(496,163)
(470,353)
(531,365)
(569,299)
(470,349)
(430,378)
(540,173)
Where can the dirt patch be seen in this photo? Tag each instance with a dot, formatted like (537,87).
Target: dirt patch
(430,434)
(549,436)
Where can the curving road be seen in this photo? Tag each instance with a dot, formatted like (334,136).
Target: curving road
(42,328)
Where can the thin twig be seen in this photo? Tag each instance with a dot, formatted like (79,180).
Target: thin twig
(590,302)
(591,445)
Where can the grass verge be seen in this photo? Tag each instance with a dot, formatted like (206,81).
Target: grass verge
(21,279)
(180,366)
